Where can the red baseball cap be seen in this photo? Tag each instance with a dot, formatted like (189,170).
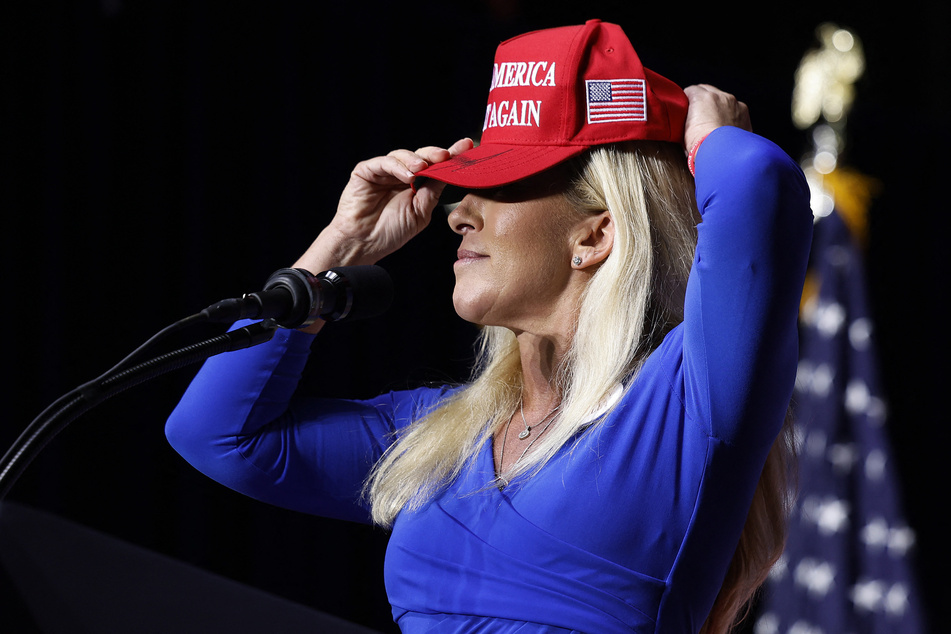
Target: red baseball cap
(557,92)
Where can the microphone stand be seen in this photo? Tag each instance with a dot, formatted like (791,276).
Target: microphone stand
(121,377)
(291,298)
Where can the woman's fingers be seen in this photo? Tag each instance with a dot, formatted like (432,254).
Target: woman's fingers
(428,191)
(396,167)
(432,154)
(402,165)
(710,108)
(383,206)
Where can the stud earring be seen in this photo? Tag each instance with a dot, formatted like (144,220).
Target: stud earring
(576,260)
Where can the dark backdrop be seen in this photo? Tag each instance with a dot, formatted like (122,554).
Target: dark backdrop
(156,157)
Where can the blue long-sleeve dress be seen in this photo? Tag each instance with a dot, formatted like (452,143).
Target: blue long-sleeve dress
(632,529)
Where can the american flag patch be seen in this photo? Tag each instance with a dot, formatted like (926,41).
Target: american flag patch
(612,100)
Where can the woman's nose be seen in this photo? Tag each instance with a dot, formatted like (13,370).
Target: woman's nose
(465,216)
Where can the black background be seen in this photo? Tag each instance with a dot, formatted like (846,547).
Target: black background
(156,157)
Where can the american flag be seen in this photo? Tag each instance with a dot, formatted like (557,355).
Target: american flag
(847,567)
(611,100)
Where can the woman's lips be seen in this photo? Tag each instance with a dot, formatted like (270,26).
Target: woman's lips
(464,256)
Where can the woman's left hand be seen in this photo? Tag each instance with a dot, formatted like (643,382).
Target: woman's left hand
(710,108)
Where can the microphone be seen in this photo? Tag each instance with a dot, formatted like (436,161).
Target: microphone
(294,298)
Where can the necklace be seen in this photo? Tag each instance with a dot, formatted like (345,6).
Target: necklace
(525,433)
(503,482)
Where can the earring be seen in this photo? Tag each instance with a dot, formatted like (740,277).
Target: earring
(576,260)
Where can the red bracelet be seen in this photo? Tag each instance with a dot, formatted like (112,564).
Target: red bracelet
(692,156)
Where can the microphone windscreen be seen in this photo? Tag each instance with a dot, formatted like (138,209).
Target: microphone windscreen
(362,291)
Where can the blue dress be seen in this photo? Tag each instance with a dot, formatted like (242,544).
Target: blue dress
(628,529)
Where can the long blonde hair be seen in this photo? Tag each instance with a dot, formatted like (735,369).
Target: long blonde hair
(633,299)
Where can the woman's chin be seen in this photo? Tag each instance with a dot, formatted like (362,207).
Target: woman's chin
(469,308)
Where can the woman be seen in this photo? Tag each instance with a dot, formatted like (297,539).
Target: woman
(603,471)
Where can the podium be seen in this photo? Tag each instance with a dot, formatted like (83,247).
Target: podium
(65,578)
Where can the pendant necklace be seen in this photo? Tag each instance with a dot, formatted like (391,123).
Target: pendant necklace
(525,433)
(503,482)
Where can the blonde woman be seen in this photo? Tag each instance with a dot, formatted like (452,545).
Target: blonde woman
(616,462)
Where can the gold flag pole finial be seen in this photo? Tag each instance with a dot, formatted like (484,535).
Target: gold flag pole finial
(823,96)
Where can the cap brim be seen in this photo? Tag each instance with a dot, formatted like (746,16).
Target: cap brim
(495,165)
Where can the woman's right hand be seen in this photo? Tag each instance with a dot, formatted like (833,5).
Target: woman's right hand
(379,210)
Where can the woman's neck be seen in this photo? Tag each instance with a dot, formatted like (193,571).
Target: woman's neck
(541,359)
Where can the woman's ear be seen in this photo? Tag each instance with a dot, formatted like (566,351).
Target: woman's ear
(594,240)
